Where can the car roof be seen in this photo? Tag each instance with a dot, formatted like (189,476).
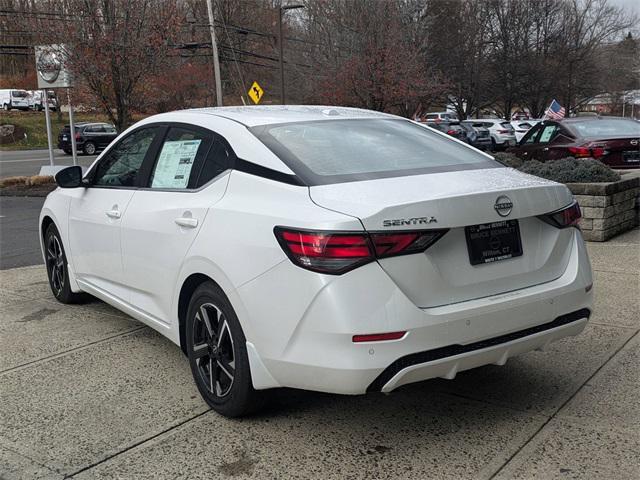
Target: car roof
(252,116)
(591,119)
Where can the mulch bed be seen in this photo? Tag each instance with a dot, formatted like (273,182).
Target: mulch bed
(27,191)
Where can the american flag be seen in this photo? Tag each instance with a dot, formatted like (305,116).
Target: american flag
(555,111)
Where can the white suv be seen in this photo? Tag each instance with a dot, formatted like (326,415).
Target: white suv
(322,248)
(502,133)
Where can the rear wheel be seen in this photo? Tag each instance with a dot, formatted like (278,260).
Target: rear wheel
(67,151)
(57,271)
(217,353)
(89,148)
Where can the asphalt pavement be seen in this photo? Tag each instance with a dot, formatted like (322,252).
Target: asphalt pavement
(28,162)
(19,241)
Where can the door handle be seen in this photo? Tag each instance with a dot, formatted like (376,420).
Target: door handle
(545,149)
(113,213)
(187,222)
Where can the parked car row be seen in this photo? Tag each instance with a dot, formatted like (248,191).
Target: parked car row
(17,99)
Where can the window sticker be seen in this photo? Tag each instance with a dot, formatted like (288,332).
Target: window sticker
(174,164)
(547,133)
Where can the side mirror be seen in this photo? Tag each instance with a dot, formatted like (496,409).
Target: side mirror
(70,177)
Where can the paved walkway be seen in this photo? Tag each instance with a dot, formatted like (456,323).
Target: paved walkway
(86,392)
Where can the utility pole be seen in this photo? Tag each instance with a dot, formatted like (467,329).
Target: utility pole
(216,60)
(280,47)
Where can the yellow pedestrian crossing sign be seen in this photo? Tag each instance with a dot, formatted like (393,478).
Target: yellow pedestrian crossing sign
(256,92)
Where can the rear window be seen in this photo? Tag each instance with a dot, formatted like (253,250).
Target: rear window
(607,127)
(332,151)
(506,125)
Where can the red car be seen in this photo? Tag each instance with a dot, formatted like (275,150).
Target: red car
(612,140)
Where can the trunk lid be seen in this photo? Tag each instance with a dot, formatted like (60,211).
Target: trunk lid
(443,274)
(624,151)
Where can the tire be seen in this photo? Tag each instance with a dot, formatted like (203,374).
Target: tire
(67,151)
(216,347)
(6,107)
(89,148)
(57,268)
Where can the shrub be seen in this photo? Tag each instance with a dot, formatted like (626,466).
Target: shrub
(571,170)
(508,159)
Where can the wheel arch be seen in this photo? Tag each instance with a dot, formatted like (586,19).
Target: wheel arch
(189,286)
(260,376)
(44,224)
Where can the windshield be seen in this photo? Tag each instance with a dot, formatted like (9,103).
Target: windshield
(332,151)
(19,94)
(607,127)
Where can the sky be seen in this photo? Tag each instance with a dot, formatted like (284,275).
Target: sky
(633,5)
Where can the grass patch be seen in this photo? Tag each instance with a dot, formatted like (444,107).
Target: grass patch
(35,126)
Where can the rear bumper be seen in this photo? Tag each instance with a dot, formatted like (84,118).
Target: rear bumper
(307,341)
(446,362)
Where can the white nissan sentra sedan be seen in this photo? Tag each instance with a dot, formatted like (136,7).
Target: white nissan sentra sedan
(322,248)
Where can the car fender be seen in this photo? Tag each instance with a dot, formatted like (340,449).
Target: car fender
(56,207)
(205,266)
(260,375)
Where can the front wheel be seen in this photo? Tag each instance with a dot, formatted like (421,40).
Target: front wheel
(217,353)
(57,270)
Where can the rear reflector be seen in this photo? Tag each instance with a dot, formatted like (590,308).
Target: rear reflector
(378,337)
(339,252)
(565,217)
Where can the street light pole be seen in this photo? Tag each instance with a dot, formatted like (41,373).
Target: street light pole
(216,60)
(280,47)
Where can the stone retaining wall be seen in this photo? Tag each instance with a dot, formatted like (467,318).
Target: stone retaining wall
(607,208)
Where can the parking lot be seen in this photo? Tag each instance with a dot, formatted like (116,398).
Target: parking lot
(86,392)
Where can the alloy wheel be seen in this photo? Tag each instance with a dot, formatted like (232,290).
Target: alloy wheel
(90,148)
(213,349)
(55,264)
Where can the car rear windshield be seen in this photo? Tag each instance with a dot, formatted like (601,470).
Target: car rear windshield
(333,151)
(611,127)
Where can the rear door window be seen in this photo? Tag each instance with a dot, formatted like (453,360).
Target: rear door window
(548,133)
(182,150)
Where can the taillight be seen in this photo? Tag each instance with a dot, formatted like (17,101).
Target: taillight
(451,132)
(598,152)
(77,135)
(504,131)
(565,217)
(579,152)
(404,243)
(585,152)
(338,252)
